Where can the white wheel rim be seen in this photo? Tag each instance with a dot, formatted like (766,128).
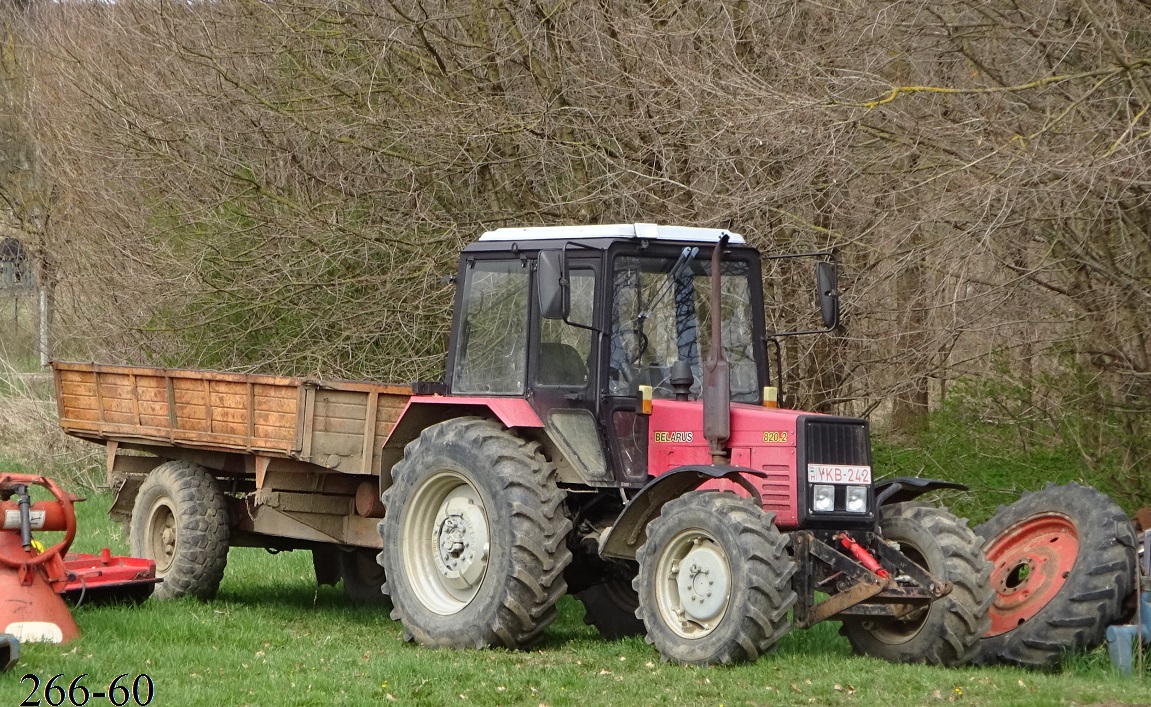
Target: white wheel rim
(161,535)
(445,542)
(693,584)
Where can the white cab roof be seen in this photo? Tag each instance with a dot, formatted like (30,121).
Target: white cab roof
(647,231)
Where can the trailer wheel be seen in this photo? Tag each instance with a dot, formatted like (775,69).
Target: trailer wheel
(363,577)
(714,580)
(1064,561)
(180,520)
(611,607)
(947,631)
(474,538)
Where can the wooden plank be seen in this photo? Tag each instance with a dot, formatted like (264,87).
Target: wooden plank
(330,409)
(159,409)
(135,399)
(328,443)
(275,391)
(99,403)
(115,405)
(171,401)
(186,373)
(337,425)
(251,409)
(86,389)
(208,403)
(273,433)
(152,394)
(74,376)
(369,437)
(80,402)
(85,414)
(275,419)
(308,395)
(276,405)
(232,401)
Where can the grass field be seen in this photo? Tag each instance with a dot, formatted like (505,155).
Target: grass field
(273,638)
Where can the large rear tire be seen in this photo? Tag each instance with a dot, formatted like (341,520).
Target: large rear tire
(180,520)
(1064,561)
(474,538)
(362,576)
(611,605)
(947,631)
(714,580)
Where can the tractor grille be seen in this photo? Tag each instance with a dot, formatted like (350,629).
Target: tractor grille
(839,441)
(836,441)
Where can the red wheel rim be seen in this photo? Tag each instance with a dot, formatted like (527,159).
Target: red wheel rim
(1031,562)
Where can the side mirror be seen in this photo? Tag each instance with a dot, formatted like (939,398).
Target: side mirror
(552,285)
(827,291)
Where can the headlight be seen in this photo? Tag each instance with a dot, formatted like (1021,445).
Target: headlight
(857,499)
(823,497)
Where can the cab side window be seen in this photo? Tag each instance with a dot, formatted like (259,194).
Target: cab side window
(492,349)
(565,350)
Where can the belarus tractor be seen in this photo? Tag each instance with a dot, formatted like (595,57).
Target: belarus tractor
(607,426)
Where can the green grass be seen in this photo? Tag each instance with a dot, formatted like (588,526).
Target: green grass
(272,637)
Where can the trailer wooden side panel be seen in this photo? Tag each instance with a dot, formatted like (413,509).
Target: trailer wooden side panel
(340,425)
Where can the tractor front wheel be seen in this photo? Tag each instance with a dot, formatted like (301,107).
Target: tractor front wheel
(474,538)
(714,580)
(947,631)
(180,520)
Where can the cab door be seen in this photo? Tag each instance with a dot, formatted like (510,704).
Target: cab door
(564,375)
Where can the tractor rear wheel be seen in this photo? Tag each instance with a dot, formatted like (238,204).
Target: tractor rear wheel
(611,606)
(362,575)
(947,631)
(180,520)
(474,538)
(1063,563)
(714,580)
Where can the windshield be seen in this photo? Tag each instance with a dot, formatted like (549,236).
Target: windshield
(660,309)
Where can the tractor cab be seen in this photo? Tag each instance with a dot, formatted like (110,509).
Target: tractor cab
(581,321)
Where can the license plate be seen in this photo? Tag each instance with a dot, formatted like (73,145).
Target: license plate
(834,474)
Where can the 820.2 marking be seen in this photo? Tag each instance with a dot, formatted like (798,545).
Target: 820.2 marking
(125,689)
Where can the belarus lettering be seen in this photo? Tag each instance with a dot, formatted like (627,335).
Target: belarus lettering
(679,437)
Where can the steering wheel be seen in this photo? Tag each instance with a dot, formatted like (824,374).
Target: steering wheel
(7,482)
(624,332)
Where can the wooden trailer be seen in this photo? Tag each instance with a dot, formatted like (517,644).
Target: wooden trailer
(299,458)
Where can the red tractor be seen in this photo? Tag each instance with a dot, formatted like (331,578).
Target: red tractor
(606,426)
(694,509)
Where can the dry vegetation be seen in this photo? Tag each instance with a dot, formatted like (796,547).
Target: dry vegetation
(282,185)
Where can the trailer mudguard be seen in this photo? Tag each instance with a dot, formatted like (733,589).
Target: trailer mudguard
(907,488)
(629,532)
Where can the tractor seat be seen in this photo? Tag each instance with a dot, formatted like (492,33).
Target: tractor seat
(561,364)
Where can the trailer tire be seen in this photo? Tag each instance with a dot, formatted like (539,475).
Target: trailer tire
(362,576)
(180,520)
(733,607)
(1064,561)
(474,538)
(612,606)
(946,632)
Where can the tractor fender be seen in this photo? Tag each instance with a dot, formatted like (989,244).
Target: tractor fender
(629,531)
(423,411)
(907,488)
